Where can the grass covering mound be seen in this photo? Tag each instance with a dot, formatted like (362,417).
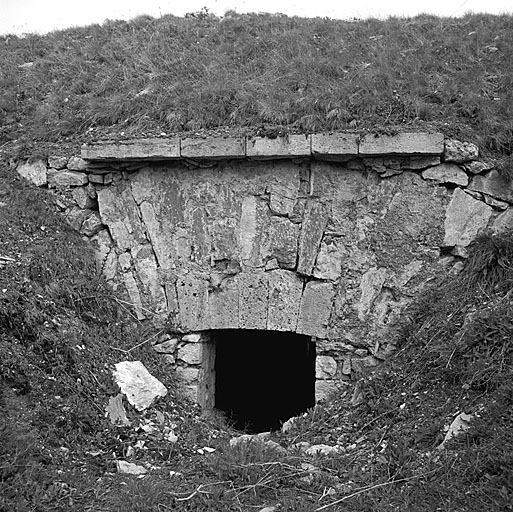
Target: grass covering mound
(61,331)
(262,74)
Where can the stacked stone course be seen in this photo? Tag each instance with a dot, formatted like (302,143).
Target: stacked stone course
(330,235)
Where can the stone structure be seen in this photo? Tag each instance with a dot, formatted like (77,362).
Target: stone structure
(329,236)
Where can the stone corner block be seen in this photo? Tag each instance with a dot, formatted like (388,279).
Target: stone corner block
(213,147)
(134,149)
(335,145)
(421,143)
(289,146)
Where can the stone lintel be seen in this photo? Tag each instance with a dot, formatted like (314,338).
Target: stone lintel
(328,146)
(335,146)
(290,146)
(421,143)
(134,149)
(214,148)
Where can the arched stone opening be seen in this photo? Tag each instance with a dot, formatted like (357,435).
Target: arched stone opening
(262,378)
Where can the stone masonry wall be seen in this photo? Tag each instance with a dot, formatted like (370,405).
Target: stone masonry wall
(331,236)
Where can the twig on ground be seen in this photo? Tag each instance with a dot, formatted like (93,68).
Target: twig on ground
(199,490)
(372,487)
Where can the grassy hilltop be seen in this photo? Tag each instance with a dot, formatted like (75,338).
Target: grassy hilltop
(259,73)
(62,329)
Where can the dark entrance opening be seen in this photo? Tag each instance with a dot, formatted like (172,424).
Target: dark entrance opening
(263,378)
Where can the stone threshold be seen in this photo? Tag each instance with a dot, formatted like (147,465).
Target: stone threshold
(332,146)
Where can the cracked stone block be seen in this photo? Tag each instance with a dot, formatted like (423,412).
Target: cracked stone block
(283,241)
(315,308)
(402,144)
(314,223)
(285,289)
(192,296)
(223,304)
(253,300)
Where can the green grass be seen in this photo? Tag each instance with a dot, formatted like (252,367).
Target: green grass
(249,72)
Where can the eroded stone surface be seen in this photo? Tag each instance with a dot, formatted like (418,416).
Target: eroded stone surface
(34,171)
(314,223)
(315,309)
(464,219)
(494,185)
(457,151)
(446,173)
(402,144)
(285,290)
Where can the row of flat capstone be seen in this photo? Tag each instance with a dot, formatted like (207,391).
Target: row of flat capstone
(332,146)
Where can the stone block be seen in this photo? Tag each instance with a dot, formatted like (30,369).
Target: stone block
(402,144)
(34,171)
(370,285)
(335,146)
(314,223)
(190,353)
(446,173)
(283,241)
(283,196)
(457,151)
(214,148)
(134,295)
(188,375)
(76,164)
(464,218)
(192,338)
(285,147)
(119,212)
(504,222)
(192,293)
(324,389)
(134,149)
(66,179)
(328,265)
(96,178)
(478,167)
(253,300)
(146,267)
(223,304)
(494,185)
(315,309)
(57,162)
(82,198)
(166,347)
(92,224)
(325,367)
(75,217)
(285,289)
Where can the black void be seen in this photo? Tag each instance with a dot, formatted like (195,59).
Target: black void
(263,378)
